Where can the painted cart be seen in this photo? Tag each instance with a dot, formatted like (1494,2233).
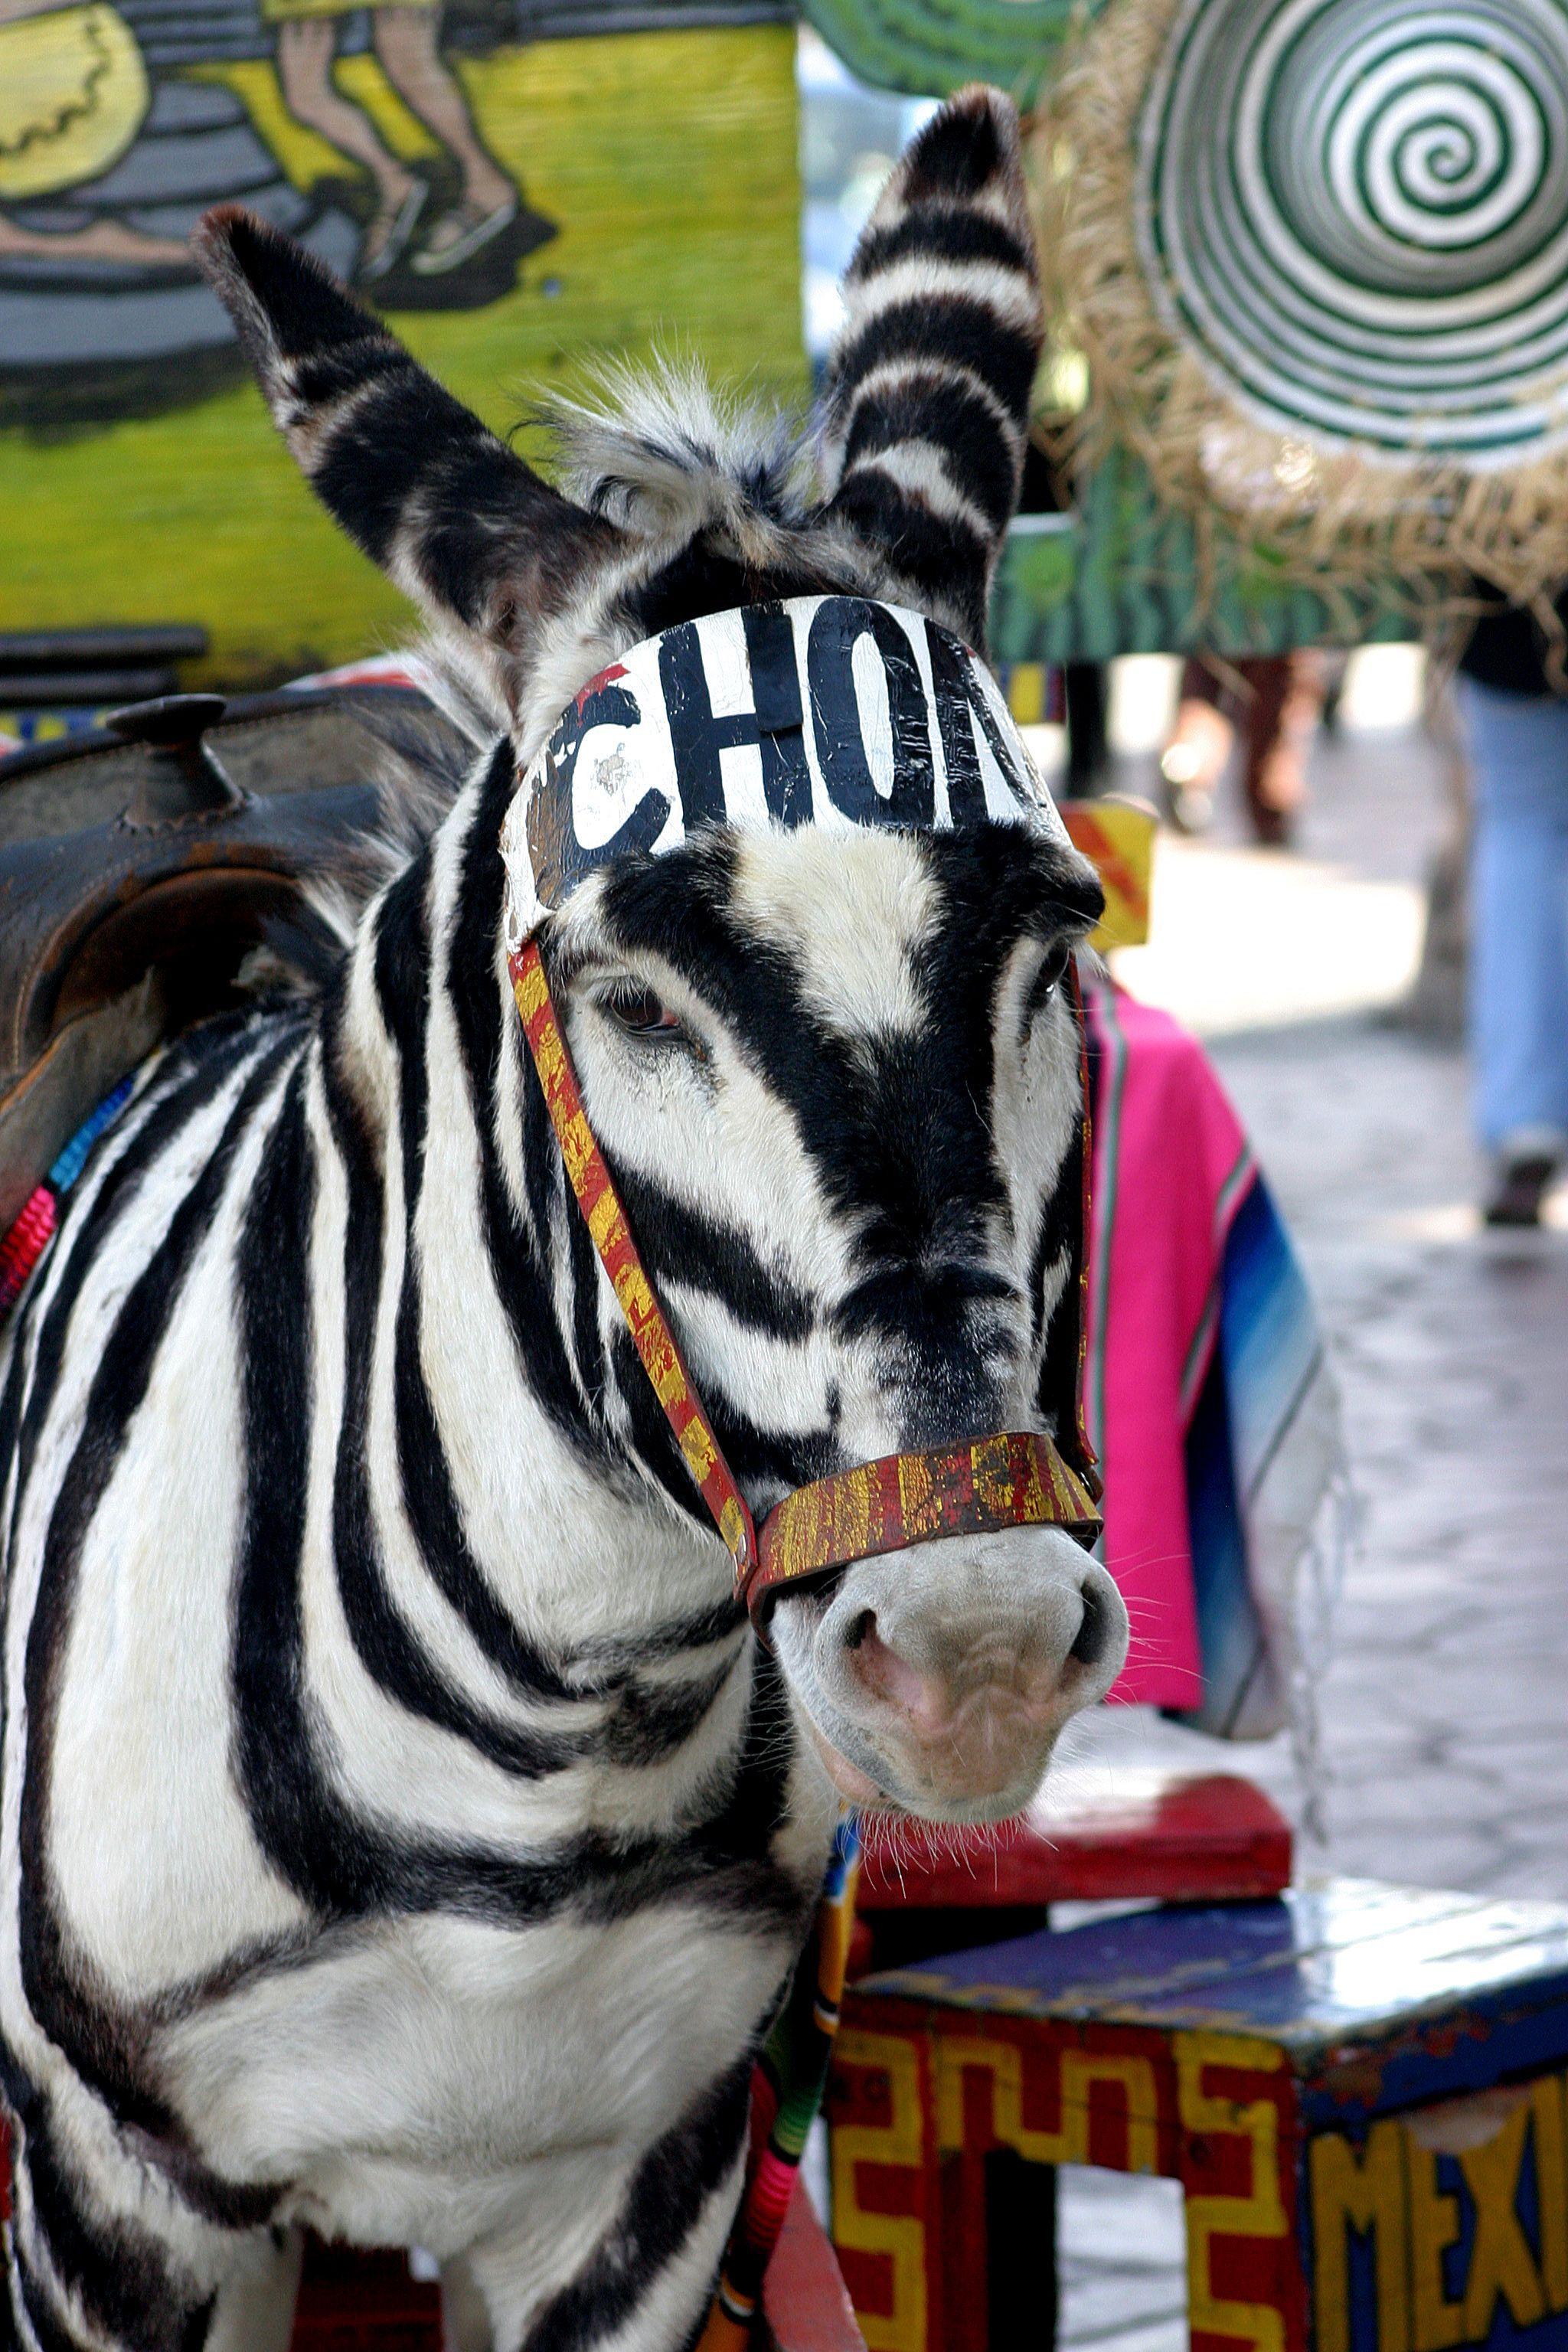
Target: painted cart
(1360,2088)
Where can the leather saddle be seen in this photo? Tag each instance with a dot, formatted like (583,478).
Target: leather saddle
(141,863)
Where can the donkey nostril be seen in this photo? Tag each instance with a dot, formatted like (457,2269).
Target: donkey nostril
(863,1626)
(1089,1647)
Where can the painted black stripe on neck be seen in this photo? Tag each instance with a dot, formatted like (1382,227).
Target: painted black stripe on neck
(101,2045)
(386,1646)
(44,2322)
(315,1843)
(121,2276)
(665,2200)
(519,1261)
(651,1720)
(193,1073)
(435,1518)
(339,1862)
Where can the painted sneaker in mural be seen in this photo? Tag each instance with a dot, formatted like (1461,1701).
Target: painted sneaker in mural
(471,255)
(465,231)
(390,234)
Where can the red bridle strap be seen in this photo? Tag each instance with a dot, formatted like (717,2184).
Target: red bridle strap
(612,1237)
(1012,1479)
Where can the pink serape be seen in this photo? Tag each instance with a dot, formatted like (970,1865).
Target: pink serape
(1170,1161)
(1208,1393)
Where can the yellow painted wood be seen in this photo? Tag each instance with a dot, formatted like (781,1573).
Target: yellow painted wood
(1118,838)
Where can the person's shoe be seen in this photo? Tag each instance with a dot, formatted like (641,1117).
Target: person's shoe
(1523,1176)
(1272,828)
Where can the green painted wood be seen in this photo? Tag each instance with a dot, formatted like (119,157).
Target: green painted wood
(1120,575)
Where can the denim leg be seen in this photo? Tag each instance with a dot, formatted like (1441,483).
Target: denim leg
(1519,910)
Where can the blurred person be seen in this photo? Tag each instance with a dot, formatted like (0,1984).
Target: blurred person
(1273,700)
(1517,725)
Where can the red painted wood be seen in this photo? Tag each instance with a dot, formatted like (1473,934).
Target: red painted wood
(805,2300)
(1094,1835)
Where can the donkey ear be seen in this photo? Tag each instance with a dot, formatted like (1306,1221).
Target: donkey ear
(427,491)
(927,401)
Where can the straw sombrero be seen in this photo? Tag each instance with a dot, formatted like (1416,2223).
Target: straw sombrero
(1316,255)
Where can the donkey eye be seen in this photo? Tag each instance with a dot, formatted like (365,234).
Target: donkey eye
(1043,986)
(639,1012)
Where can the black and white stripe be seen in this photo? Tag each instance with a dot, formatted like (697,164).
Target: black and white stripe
(404,1832)
(928,384)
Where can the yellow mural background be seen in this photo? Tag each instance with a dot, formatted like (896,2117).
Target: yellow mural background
(669,161)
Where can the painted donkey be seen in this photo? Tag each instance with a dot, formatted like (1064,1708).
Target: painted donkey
(405,1834)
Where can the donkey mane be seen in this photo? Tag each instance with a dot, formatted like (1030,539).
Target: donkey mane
(662,450)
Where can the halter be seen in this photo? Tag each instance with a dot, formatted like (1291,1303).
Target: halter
(944,739)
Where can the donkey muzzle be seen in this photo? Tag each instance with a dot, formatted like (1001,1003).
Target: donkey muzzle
(937,1680)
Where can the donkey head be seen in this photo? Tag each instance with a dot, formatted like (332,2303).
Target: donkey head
(835,1072)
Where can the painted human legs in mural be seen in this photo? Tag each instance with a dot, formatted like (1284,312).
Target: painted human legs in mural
(407,39)
(406,43)
(307,49)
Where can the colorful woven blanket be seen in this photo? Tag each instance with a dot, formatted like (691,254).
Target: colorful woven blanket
(29,1237)
(787,2086)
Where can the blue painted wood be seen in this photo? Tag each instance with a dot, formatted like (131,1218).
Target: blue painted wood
(1379,1996)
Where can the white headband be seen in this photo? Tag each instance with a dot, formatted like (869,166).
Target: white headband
(826,711)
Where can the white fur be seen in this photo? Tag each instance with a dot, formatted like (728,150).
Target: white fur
(853,919)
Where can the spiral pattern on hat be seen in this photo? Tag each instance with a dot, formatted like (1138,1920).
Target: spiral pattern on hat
(1356,213)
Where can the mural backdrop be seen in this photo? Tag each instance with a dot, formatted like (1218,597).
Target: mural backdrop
(517,187)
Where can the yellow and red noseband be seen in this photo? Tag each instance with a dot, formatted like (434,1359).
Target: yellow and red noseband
(1014,1478)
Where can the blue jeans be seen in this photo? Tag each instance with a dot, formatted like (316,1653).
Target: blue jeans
(1519,912)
